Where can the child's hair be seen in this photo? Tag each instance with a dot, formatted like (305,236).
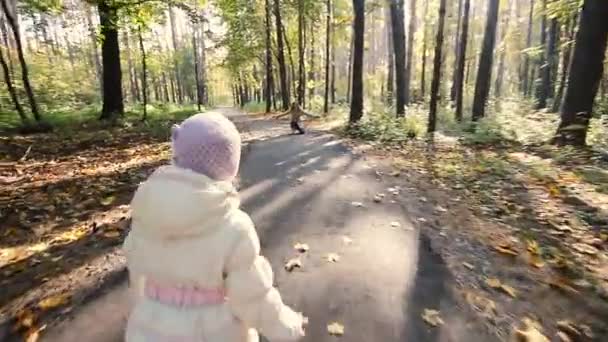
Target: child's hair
(208,144)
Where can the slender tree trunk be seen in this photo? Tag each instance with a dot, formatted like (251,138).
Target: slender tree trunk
(350,67)
(424,52)
(552,60)
(165,86)
(526,68)
(390,74)
(11,89)
(456,51)
(500,72)
(356,104)
(543,67)
(437,69)
(586,71)
(333,58)
(7,43)
(94,48)
(462,54)
(566,58)
(484,73)
(327,56)
(12,21)
(396,8)
(410,52)
(132,80)
(197,69)
(301,28)
(112,75)
(269,80)
(281,56)
(311,70)
(178,82)
(144,73)
(291,63)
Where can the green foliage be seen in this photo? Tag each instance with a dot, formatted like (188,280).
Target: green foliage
(384,127)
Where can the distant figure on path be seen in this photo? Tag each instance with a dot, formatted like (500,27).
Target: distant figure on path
(296,113)
(193,256)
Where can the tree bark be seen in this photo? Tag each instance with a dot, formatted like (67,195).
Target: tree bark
(356,105)
(543,68)
(269,80)
(327,56)
(197,69)
(94,48)
(11,89)
(410,52)
(586,71)
(396,8)
(12,21)
(500,72)
(178,82)
(456,51)
(552,57)
(132,79)
(566,58)
(436,69)
(462,53)
(301,71)
(311,70)
(110,53)
(350,67)
(144,74)
(281,56)
(390,73)
(165,86)
(484,73)
(526,68)
(333,59)
(424,53)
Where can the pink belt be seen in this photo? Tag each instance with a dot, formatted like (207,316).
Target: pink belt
(183,296)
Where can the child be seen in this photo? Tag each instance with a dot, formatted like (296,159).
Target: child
(296,113)
(193,256)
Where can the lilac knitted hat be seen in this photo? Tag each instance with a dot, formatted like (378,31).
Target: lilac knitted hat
(208,144)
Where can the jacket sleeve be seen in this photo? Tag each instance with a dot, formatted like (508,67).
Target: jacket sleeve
(251,296)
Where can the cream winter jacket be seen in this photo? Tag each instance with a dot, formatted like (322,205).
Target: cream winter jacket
(187,230)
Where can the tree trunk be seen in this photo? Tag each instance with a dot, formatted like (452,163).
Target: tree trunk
(462,54)
(12,21)
(396,8)
(543,67)
(291,63)
(350,66)
(437,69)
(301,28)
(327,56)
(526,68)
(311,70)
(269,79)
(566,58)
(165,87)
(586,71)
(552,57)
(132,79)
(7,43)
(356,104)
(281,56)
(11,89)
(484,73)
(144,73)
(110,53)
(333,59)
(456,51)
(178,82)
(424,56)
(94,48)
(410,52)
(500,72)
(390,74)
(197,69)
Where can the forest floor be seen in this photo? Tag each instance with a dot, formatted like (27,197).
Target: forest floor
(522,228)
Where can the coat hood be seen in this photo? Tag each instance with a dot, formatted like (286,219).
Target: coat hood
(175,203)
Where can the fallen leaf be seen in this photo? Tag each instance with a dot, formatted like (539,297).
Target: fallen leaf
(506,250)
(421,219)
(536,261)
(509,290)
(53,302)
(301,247)
(111,234)
(25,318)
(554,191)
(432,317)
(497,284)
(395,224)
(378,198)
(395,173)
(332,257)
(108,200)
(291,264)
(533,247)
(530,333)
(357,204)
(563,337)
(585,248)
(568,327)
(441,209)
(562,284)
(32,334)
(335,329)
(467,265)
(493,283)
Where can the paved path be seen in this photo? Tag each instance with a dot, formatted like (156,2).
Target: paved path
(302,189)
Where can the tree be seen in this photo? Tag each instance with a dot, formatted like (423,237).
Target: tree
(410,51)
(144,72)
(178,79)
(424,52)
(484,72)
(526,66)
(586,71)
(566,57)
(11,89)
(396,7)
(548,70)
(327,56)
(197,71)
(301,71)
(268,57)
(110,56)
(462,52)
(390,61)
(281,56)
(456,50)
(94,48)
(12,21)
(436,68)
(356,104)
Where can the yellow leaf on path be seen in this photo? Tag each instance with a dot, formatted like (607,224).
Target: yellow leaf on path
(493,283)
(33,334)
(506,250)
(107,200)
(563,337)
(562,284)
(497,284)
(568,328)
(335,329)
(432,317)
(533,247)
(53,302)
(332,257)
(536,261)
(301,247)
(530,332)
(292,264)
(554,191)
(467,265)
(509,290)
(585,248)
(25,318)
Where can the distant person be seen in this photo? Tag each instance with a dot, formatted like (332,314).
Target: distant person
(195,269)
(296,113)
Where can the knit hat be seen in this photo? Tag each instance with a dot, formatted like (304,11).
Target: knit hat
(208,144)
